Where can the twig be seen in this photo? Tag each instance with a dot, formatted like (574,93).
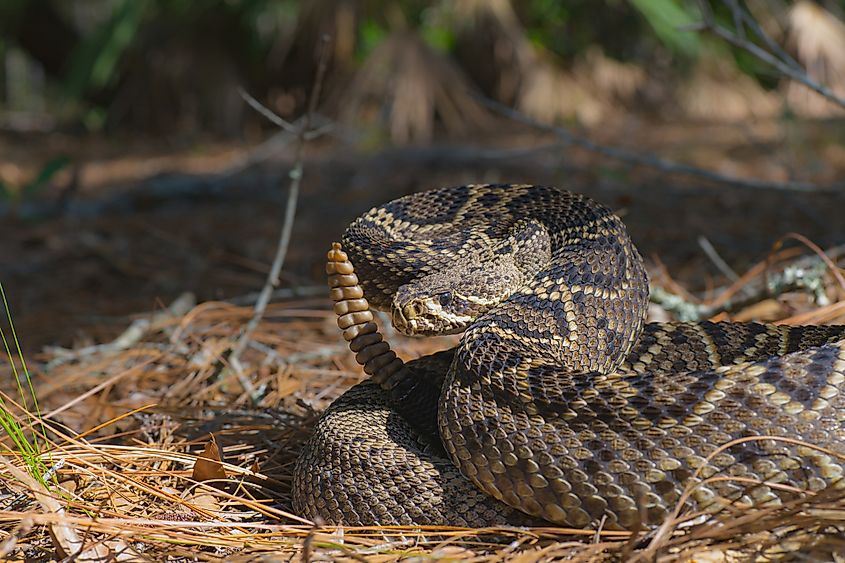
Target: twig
(645,159)
(787,280)
(744,16)
(779,60)
(762,268)
(282,293)
(708,248)
(128,338)
(806,272)
(834,269)
(287,226)
(269,115)
(298,129)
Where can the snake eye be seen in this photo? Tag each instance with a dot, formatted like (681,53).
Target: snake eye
(445,299)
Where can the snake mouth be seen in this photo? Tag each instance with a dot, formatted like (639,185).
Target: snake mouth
(426,317)
(399,321)
(405,319)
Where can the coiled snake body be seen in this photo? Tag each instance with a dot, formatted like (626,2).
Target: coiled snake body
(559,404)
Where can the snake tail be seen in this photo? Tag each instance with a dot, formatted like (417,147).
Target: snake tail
(355,319)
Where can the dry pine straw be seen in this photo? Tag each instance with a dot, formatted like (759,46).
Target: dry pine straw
(127,426)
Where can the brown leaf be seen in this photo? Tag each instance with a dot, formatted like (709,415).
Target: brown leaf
(209,463)
(205,501)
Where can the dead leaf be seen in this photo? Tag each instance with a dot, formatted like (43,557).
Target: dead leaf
(206,501)
(209,463)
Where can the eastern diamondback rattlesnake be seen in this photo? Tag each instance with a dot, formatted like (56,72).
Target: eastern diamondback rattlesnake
(560,403)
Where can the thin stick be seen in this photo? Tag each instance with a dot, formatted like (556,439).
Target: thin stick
(786,66)
(748,19)
(269,115)
(645,159)
(834,269)
(287,226)
(717,260)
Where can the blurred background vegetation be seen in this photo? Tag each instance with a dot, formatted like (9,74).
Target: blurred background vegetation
(131,168)
(400,70)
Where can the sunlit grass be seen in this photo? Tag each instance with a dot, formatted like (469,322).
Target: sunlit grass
(21,420)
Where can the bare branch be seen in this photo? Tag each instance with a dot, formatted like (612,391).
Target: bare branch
(737,14)
(295,175)
(747,19)
(774,57)
(652,161)
(711,252)
(265,111)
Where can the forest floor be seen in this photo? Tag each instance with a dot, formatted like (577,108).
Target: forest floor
(131,276)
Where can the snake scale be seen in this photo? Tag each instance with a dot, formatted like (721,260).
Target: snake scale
(560,403)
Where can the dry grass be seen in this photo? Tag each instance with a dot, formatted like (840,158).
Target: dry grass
(127,427)
(407,87)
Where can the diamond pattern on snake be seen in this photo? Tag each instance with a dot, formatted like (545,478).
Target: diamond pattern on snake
(560,404)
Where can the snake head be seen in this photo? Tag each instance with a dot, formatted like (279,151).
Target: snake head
(448,302)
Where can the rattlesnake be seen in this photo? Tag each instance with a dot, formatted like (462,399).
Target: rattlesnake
(560,404)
